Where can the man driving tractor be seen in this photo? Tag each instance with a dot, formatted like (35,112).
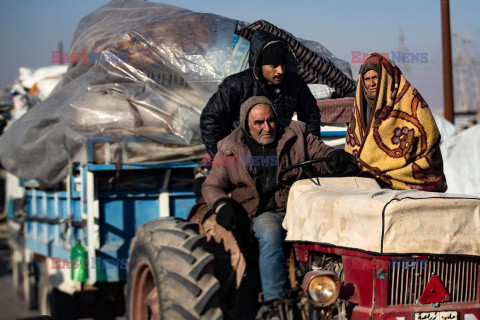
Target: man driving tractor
(259,150)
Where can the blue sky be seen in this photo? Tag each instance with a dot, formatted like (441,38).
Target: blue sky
(30,30)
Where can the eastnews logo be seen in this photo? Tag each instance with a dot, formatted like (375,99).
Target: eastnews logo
(97,263)
(241,160)
(396,57)
(409,263)
(85,57)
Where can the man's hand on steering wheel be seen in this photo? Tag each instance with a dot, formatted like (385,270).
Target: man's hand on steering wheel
(344,162)
(339,161)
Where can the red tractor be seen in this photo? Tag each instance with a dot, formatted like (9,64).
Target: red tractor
(358,252)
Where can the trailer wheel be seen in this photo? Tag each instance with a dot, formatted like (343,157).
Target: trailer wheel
(44,293)
(16,261)
(30,293)
(170,274)
(29,271)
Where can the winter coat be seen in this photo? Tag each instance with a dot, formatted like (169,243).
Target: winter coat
(232,174)
(220,116)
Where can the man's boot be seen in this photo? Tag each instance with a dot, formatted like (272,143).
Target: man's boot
(272,310)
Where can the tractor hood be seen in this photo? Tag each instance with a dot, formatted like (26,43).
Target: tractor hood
(356,213)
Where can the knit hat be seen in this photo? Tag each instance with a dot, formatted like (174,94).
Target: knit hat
(248,105)
(274,54)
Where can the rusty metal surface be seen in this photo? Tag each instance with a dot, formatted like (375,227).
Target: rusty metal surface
(144,301)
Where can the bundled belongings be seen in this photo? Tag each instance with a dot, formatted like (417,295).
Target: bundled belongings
(42,81)
(6,104)
(140,74)
(33,86)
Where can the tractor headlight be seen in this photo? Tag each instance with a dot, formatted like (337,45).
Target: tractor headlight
(322,287)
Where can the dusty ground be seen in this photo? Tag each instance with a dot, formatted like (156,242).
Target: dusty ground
(11,305)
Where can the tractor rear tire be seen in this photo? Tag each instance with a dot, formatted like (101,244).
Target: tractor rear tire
(170,274)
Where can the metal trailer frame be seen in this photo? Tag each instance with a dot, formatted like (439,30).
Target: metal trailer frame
(104,221)
(101,205)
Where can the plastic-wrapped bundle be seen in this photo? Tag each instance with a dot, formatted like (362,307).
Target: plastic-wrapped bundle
(140,74)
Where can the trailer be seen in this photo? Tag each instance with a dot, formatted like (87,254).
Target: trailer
(100,206)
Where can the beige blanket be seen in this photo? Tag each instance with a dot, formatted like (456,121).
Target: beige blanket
(356,213)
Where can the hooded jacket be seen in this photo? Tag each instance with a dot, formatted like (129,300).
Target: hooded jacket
(234,174)
(221,114)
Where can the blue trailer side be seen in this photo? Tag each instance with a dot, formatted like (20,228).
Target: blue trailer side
(104,214)
(101,205)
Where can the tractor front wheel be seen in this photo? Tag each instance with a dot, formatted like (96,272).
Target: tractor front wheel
(170,274)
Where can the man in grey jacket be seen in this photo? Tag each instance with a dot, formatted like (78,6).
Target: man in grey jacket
(247,165)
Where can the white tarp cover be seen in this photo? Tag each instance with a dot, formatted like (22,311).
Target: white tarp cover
(356,213)
(461,158)
(446,128)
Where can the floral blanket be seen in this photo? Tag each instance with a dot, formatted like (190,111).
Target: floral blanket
(399,144)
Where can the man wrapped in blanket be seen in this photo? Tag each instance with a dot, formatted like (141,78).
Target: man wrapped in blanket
(392,132)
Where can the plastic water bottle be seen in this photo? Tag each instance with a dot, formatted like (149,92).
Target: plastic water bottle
(79,262)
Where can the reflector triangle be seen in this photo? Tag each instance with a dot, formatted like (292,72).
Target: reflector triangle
(435,291)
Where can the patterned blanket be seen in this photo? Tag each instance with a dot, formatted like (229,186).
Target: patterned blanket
(312,67)
(336,111)
(399,145)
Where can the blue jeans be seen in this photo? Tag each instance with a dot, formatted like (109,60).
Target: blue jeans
(267,228)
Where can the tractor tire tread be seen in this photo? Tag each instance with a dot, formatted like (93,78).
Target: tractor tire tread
(181,267)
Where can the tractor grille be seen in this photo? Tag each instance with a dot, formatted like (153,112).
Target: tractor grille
(459,277)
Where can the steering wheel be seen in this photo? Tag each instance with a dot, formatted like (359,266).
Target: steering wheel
(306,166)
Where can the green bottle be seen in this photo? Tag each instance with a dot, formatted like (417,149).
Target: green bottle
(79,263)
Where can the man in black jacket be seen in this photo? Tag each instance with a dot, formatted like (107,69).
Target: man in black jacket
(272,73)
